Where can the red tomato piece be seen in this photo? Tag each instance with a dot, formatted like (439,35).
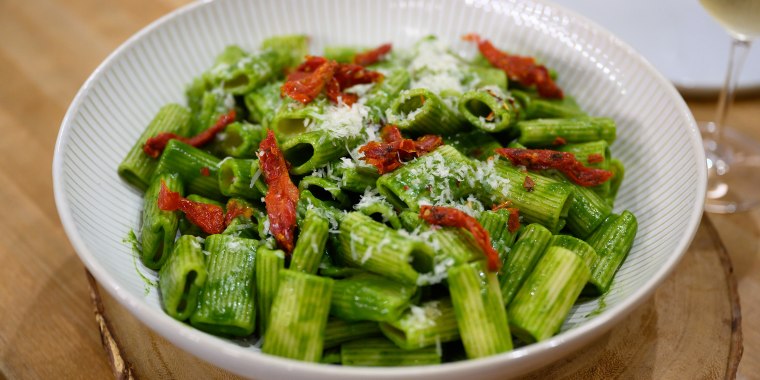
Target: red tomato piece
(372,56)
(451,217)
(566,163)
(523,70)
(388,155)
(318,74)
(155,145)
(282,197)
(235,209)
(210,218)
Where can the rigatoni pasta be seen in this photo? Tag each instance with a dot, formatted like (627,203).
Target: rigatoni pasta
(378,206)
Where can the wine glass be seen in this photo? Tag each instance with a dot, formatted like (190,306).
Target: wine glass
(733,160)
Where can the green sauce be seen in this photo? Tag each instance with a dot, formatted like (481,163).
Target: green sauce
(131,239)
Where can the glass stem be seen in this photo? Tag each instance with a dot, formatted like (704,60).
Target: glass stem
(737,56)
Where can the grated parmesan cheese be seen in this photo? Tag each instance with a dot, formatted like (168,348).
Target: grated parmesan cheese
(370,197)
(340,121)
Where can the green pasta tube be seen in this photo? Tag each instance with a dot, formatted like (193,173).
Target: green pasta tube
(243,228)
(489,76)
(545,299)
(214,104)
(342,54)
(328,269)
(546,202)
(310,150)
(241,139)
(411,221)
(587,211)
(307,201)
(310,245)
(476,144)
(292,117)
(269,262)
(497,225)
(612,241)
(355,180)
(479,310)
(331,356)
(382,94)
(577,246)
(370,297)
(182,277)
(236,178)
(380,352)
(456,244)
(137,168)
(301,308)
(545,132)
(292,48)
(525,254)
(439,177)
(488,109)
(194,94)
(240,72)
(536,107)
(377,248)
(244,225)
(430,324)
(378,209)
(199,170)
(226,305)
(325,190)
(339,331)
(452,246)
(585,252)
(420,111)
(618,173)
(263,102)
(595,154)
(159,228)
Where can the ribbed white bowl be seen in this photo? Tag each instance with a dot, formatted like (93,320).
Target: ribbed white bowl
(658,142)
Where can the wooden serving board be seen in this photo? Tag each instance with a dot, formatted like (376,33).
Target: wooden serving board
(689,329)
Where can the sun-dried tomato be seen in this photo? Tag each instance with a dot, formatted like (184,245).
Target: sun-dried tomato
(236,209)
(595,158)
(523,70)
(566,163)
(155,145)
(282,197)
(210,218)
(318,74)
(559,140)
(451,217)
(372,56)
(388,155)
(513,224)
(306,88)
(529,184)
(349,74)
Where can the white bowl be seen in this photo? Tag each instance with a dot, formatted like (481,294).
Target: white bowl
(658,141)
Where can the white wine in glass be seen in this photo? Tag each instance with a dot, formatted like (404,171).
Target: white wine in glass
(733,160)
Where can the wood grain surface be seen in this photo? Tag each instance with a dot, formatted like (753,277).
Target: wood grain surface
(48,328)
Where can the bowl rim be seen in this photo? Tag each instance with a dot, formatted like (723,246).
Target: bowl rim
(229,355)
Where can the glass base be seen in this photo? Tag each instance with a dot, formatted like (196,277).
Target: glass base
(733,171)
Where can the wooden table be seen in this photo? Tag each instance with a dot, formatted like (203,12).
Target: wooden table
(48,49)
